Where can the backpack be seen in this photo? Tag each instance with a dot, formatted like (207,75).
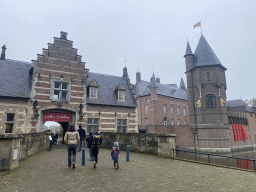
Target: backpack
(96,141)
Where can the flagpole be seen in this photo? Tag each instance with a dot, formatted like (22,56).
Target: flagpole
(201,27)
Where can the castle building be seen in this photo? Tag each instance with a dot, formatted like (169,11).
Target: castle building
(206,85)
(160,105)
(57,87)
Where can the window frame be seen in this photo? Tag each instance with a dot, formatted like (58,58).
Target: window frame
(119,94)
(164,109)
(184,112)
(93,90)
(9,123)
(172,121)
(146,121)
(146,109)
(172,110)
(213,101)
(178,111)
(60,89)
(93,125)
(122,128)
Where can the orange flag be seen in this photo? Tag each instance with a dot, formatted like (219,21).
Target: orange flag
(197,25)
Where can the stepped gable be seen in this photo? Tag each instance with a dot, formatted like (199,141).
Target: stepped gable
(171,90)
(15,78)
(204,55)
(106,90)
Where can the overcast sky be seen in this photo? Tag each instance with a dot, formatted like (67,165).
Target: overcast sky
(149,35)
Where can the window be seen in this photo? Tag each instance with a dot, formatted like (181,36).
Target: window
(146,121)
(178,103)
(93,89)
(171,101)
(121,125)
(142,101)
(121,95)
(146,109)
(60,90)
(178,121)
(165,121)
(171,110)
(184,112)
(184,104)
(164,109)
(172,121)
(185,122)
(93,92)
(9,122)
(210,101)
(148,100)
(92,124)
(178,111)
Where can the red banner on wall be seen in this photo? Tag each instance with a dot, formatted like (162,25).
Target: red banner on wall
(57,117)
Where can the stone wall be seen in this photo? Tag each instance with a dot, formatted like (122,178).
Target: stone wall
(143,143)
(32,143)
(15,148)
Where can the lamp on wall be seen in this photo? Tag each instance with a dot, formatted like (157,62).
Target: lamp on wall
(81,111)
(35,109)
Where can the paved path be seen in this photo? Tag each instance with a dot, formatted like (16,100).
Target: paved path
(47,171)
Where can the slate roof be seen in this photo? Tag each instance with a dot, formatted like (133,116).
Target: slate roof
(204,55)
(188,50)
(15,78)
(106,90)
(239,103)
(171,90)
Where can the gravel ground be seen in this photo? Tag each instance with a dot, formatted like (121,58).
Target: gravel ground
(47,171)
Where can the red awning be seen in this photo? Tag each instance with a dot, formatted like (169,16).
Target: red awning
(244,132)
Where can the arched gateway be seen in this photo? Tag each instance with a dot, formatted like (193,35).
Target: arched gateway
(64,117)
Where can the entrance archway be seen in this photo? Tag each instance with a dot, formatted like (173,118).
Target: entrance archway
(64,117)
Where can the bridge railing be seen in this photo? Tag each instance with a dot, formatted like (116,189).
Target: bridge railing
(2,163)
(244,163)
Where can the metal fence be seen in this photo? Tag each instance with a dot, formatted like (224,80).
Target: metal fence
(2,163)
(210,158)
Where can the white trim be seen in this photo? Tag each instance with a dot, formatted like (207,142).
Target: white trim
(61,71)
(107,123)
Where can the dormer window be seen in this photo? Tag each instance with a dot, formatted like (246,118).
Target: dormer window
(120,92)
(93,90)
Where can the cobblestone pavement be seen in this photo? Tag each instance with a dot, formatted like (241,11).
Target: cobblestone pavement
(47,171)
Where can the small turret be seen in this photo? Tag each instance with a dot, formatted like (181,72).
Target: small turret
(189,58)
(3,52)
(182,84)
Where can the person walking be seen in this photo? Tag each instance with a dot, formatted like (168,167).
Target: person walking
(114,154)
(72,139)
(88,145)
(94,142)
(82,135)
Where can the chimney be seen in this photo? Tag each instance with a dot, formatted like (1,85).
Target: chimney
(63,35)
(138,77)
(3,52)
(158,80)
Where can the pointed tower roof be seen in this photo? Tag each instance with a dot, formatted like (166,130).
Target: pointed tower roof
(153,82)
(188,50)
(254,103)
(182,84)
(204,55)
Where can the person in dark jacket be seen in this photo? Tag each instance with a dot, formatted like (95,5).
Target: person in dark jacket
(88,145)
(82,135)
(94,142)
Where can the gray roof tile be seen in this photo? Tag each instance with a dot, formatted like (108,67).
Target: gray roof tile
(171,90)
(239,103)
(15,78)
(106,90)
(204,55)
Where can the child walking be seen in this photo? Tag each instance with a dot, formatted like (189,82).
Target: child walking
(114,154)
